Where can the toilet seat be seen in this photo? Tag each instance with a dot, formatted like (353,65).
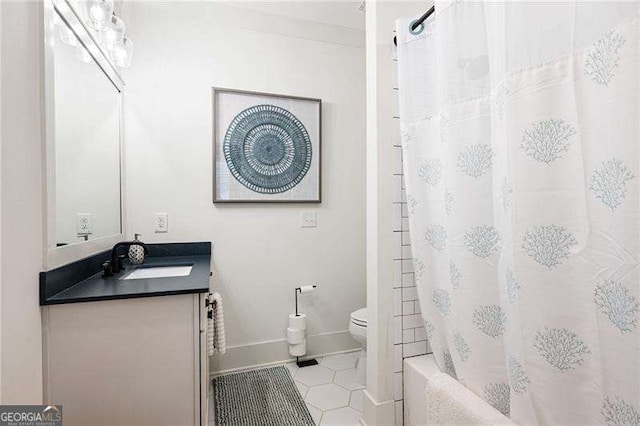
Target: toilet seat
(359,317)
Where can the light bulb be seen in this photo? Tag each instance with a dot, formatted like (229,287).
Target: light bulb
(113,33)
(122,53)
(99,12)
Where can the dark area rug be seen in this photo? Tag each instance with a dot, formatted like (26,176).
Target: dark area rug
(259,397)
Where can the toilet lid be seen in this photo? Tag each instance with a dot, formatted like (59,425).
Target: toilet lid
(359,317)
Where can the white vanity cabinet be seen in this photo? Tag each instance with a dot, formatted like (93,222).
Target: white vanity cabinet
(139,361)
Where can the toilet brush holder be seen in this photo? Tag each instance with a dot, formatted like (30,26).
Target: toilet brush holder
(300,290)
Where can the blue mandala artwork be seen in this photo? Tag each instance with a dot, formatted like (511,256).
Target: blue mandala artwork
(267,149)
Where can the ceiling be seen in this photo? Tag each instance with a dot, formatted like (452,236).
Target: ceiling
(341,13)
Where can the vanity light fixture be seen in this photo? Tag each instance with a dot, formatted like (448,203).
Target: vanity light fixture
(113,34)
(122,52)
(99,12)
(110,31)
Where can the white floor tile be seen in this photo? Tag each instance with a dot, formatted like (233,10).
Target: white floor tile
(328,397)
(343,417)
(348,379)
(315,413)
(339,362)
(303,389)
(292,367)
(314,375)
(356,400)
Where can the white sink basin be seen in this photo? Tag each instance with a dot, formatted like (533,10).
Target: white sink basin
(158,272)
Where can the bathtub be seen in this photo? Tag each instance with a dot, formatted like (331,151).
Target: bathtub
(417,373)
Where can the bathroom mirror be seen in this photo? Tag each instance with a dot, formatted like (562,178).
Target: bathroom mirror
(83,113)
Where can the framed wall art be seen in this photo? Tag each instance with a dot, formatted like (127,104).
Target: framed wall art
(266,148)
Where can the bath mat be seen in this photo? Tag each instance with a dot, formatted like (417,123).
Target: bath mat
(259,397)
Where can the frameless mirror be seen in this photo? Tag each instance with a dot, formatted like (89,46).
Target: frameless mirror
(86,133)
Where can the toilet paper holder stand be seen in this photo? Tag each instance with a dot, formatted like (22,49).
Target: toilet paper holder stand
(299,290)
(306,362)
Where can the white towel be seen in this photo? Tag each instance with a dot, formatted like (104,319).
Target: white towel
(449,402)
(210,333)
(218,339)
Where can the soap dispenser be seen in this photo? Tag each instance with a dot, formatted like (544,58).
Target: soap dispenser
(136,252)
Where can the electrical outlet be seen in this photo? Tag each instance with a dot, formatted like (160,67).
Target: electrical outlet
(162,222)
(308,220)
(84,223)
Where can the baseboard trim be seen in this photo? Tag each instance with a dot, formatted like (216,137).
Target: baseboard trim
(376,413)
(265,354)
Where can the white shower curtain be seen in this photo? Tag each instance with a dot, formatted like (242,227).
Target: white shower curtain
(521,133)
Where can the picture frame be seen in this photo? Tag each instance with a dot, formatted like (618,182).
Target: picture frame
(266,147)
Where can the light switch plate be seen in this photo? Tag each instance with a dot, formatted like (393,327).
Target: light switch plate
(84,224)
(308,220)
(162,222)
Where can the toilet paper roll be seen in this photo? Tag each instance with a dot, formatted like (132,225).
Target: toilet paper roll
(298,322)
(298,349)
(306,289)
(295,336)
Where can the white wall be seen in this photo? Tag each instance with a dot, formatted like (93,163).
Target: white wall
(22,202)
(260,252)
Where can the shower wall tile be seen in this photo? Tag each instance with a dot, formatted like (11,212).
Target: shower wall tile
(414,349)
(405,238)
(405,223)
(420,334)
(405,213)
(406,251)
(408,308)
(411,321)
(409,293)
(409,334)
(407,266)
(407,280)
(398,224)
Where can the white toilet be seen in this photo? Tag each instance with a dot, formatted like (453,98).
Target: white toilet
(358,330)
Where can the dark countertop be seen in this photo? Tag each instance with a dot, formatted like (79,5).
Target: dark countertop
(96,288)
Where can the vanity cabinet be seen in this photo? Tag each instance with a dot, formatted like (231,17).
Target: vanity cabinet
(138,361)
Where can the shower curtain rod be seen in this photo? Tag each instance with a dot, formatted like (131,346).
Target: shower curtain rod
(418,21)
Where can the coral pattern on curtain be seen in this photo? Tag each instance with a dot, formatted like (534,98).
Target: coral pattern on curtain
(521,134)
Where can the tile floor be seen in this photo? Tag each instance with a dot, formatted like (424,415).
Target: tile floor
(330,389)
